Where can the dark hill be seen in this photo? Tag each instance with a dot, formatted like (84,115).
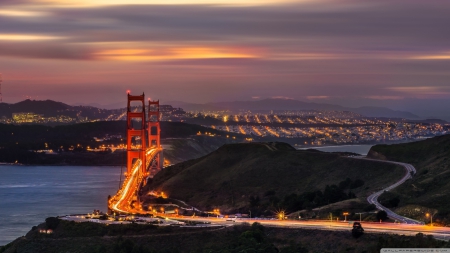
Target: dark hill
(429,190)
(50,108)
(240,176)
(47,107)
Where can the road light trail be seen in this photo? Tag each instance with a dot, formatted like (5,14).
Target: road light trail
(370,227)
(373,198)
(121,201)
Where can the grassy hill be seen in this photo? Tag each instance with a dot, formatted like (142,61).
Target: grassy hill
(265,176)
(429,190)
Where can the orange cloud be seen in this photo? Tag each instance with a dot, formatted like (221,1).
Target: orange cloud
(173,54)
(443,56)
(167,2)
(27,37)
(22,13)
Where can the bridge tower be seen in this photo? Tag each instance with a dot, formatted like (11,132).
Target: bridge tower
(136,132)
(154,135)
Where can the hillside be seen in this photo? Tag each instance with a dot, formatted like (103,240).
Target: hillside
(266,176)
(429,190)
(49,108)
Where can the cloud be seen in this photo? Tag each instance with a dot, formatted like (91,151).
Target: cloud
(346,47)
(27,37)
(422,90)
(385,97)
(317,97)
(441,56)
(44,50)
(22,13)
(176,53)
(87,3)
(293,31)
(282,97)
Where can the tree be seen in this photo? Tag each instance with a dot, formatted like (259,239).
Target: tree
(52,222)
(382,215)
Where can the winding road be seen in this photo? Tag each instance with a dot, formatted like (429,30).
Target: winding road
(373,198)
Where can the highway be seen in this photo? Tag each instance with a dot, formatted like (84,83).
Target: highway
(373,198)
(442,233)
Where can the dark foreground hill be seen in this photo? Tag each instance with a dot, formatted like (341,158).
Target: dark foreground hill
(89,237)
(429,190)
(263,177)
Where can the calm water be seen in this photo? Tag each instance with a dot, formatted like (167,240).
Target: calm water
(29,194)
(359,149)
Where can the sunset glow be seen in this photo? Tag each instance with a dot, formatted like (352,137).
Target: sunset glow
(353,54)
(170,54)
(167,2)
(21,13)
(27,37)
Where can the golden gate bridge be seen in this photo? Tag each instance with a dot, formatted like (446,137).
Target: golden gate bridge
(144,154)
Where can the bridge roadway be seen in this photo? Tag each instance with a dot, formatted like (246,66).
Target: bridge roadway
(442,233)
(121,202)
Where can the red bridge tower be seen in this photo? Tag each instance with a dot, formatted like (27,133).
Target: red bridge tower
(136,141)
(154,136)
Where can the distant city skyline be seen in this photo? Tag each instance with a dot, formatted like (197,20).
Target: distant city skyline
(386,53)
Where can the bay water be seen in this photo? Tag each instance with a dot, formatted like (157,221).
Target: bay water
(30,194)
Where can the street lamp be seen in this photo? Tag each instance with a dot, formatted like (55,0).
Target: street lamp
(359,216)
(345,215)
(431,217)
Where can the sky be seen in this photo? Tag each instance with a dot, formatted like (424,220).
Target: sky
(349,52)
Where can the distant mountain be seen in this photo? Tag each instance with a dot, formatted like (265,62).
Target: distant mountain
(194,107)
(47,107)
(50,108)
(371,111)
(291,104)
(117,105)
